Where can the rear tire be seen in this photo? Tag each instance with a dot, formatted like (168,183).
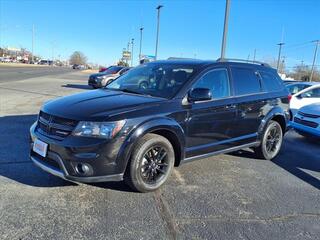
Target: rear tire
(151,163)
(271,141)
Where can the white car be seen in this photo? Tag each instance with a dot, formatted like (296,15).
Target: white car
(305,97)
(307,120)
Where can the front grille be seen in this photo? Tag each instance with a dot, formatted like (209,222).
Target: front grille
(308,115)
(92,80)
(306,123)
(55,127)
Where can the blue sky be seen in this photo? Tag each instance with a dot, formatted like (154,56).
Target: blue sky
(101,29)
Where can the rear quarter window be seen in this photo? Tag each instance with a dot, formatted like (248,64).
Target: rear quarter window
(271,82)
(245,81)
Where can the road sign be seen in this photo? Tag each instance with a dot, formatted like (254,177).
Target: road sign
(126,55)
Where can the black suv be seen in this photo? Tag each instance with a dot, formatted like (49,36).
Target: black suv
(188,109)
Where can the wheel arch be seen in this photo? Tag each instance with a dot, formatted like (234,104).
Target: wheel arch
(276,114)
(166,127)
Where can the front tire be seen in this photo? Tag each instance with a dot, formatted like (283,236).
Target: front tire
(271,141)
(151,163)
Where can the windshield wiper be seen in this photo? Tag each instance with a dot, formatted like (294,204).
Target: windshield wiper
(134,92)
(129,91)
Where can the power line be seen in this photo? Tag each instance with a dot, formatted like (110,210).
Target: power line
(298,44)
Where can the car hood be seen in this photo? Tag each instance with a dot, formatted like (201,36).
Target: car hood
(97,104)
(313,109)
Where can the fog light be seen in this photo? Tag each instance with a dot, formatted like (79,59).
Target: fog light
(82,168)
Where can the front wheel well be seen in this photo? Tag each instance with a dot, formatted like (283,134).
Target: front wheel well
(173,139)
(281,120)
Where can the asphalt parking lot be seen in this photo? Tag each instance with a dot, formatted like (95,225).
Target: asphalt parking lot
(233,196)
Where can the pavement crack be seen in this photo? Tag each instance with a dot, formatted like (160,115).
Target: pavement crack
(261,220)
(166,215)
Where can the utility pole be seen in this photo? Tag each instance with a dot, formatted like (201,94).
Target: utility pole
(314,58)
(279,55)
(53,45)
(141,29)
(158,25)
(32,43)
(282,64)
(225,30)
(254,54)
(300,71)
(132,51)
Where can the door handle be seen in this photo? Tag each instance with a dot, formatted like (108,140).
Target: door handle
(231,106)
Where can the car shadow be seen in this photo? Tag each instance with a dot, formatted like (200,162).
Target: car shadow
(78,86)
(297,156)
(14,157)
(14,154)
(118,186)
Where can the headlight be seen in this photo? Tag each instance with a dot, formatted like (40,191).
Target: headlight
(101,77)
(105,130)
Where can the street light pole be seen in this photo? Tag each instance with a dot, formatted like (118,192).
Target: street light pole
(279,55)
(132,51)
(141,29)
(314,58)
(32,43)
(158,25)
(225,30)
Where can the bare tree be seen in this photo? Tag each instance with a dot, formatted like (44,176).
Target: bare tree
(273,63)
(78,58)
(302,72)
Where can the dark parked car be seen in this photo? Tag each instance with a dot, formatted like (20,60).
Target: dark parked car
(296,87)
(189,109)
(102,79)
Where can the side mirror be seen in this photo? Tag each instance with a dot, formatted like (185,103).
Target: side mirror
(199,94)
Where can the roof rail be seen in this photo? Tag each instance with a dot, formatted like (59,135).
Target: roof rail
(242,60)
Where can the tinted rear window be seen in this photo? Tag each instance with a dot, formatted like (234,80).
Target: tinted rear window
(270,82)
(245,81)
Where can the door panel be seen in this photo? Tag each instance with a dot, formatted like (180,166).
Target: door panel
(209,124)
(251,110)
(249,100)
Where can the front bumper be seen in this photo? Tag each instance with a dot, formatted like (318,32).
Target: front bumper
(305,129)
(95,82)
(63,158)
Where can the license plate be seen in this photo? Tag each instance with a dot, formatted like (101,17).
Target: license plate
(40,147)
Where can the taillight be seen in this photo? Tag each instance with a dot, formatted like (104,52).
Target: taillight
(289,97)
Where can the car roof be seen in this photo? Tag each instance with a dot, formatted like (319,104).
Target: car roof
(202,63)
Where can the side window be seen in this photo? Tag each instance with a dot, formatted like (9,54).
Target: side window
(313,93)
(122,71)
(271,82)
(217,81)
(245,80)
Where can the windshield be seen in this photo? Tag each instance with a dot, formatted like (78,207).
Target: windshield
(158,80)
(112,70)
